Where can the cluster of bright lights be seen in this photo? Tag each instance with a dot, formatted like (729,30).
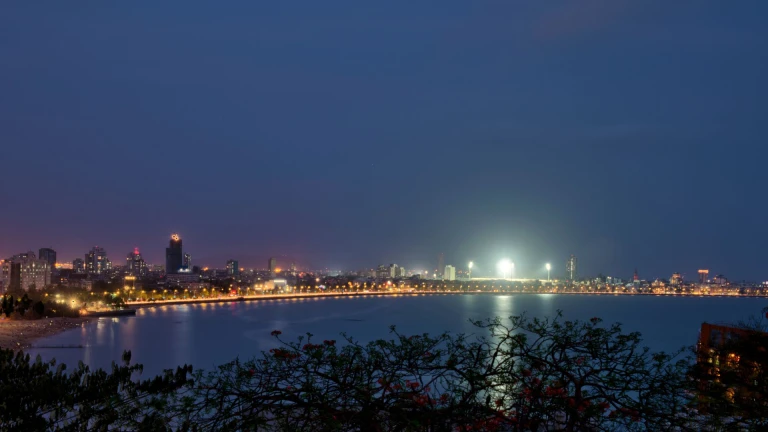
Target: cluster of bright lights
(505,267)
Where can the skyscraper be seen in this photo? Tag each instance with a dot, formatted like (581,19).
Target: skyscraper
(272,265)
(570,268)
(188,261)
(440,263)
(96,261)
(135,263)
(393,270)
(173,255)
(48,255)
(233,268)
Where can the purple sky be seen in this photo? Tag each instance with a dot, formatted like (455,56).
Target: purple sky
(348,134)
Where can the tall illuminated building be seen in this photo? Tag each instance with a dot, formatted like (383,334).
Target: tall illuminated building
(570,268)
(96,261)
(703,276)
(188,261)
(272,265)
(233,268)
(23,271)
(135,264)
(449,273)
(174,259)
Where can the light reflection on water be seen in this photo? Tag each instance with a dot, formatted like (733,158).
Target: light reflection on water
(209,334)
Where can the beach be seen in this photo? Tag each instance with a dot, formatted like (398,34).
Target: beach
(21,334)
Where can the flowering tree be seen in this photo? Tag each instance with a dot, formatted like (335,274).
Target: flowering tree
(518,374)
(524,374)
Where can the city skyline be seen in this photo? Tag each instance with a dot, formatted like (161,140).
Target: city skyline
(544,270)
(350,135)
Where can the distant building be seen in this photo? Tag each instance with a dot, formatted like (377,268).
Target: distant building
(440,263)
(720,280)
(382,272)
(96,261)
(233,269)
(570,268)
(135,265)
(676,279)
(48,255)
(187,261)
(703,276)
(400,272)
(78,265)
(173,255)
(23,271)
(449,273)
(393,270)
(14,276)
(272,265)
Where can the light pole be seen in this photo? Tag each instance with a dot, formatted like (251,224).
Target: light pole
(549,267)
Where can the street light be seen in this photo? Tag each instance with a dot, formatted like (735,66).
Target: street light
(549,267)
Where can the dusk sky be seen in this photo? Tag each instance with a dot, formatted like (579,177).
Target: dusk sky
(350,134)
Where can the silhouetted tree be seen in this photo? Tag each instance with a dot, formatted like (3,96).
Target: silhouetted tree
(38,308)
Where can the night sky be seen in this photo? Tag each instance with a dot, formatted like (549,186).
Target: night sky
(351,134)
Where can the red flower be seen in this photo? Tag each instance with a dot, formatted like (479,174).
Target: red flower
(329,342)
(526,372)
(252,372)
(499,402)
(276,333)
(595,320)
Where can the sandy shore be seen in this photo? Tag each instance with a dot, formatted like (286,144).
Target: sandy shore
(20,334)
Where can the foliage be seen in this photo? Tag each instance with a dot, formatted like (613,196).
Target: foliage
(518,374)
(525,375)
(36,395)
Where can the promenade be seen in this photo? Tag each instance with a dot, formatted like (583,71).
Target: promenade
(258,297)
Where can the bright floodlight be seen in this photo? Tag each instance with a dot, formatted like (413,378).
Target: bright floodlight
(549,266)
(505,267)
(471,264)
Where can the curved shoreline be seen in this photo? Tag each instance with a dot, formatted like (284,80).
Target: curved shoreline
(230,299)
(20,334)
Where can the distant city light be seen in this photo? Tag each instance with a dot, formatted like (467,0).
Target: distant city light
(505,267)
